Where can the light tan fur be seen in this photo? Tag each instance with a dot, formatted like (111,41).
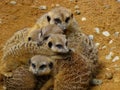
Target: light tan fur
(60,13)
(41,65)
(20,53)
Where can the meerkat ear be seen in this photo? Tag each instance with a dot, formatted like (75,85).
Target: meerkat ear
(50,44)
(29,38)
(48,18)
(72,15)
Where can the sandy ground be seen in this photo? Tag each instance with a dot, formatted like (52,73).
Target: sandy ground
(101,14)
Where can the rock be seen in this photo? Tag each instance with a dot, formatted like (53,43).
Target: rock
(77,12)
(13,2)
(116,34)
(57,5)
(76,7)
(91,37)
(108,75)
(97,30)
(111,41)
(118,0)
(96,82)
(104,47)
(109,56)
(97,44)
(106,33)
(43,7)
(116,58)
(83,19)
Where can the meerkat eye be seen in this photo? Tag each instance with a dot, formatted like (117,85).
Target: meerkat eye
(45,38)
(33,65)
(29,38)
(57,20)
(48,18)
(50,44)
(51,65)
(59,46)
(67,19)
(42,67)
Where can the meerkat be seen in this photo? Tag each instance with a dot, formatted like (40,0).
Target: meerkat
(39,66)
(19,53)
(43,34)
(59,16)
(73,73)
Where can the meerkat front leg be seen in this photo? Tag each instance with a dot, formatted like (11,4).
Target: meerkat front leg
(48,84)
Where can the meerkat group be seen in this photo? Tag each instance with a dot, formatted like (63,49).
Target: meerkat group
(55,35)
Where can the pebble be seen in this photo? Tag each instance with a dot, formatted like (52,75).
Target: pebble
(97,44)
(116,34)
(111,41)
(83,19)
(57,5)
(96,81)
(106,33)
(104,47)
(109,56)
(76,7)
(91,37)
(77,12)
(13,2)
(43,7)
(97,30)
(108,75)
(118,0)
(116,58)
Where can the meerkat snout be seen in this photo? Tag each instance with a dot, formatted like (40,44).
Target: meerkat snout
(58,43)
(40,65)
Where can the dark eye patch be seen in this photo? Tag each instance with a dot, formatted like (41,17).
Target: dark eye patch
(50,44)
(48,18)
(59,46)
(67,19)
(57,20)
(51,65)
(66,43)
(42,67)
(29,38)
(33,65)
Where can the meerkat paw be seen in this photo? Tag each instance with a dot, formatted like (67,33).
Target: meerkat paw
(8,74)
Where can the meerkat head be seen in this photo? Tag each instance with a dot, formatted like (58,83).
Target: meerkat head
(40,65)
(58,43)
(60,16)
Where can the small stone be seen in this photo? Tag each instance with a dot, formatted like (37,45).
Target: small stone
(118,0)
(57,5)
(13,2)
(116,34)
(106,33)
(83,19)
(111,41)
(76,7)
(108,75)
(97,30)
(77,12)
(96,81)
(97,44)
(43,7)
(91,37)
(104,47)
(109,56)
(116,58)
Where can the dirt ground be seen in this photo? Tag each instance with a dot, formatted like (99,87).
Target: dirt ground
(101,14)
